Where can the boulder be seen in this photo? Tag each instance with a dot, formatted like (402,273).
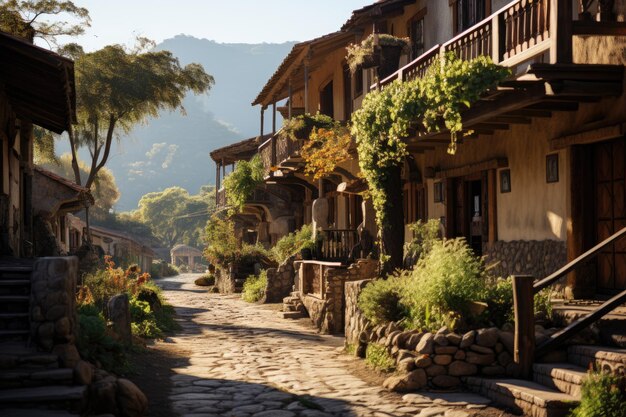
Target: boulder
(423,361)
(446,350)
(441,340)
(83,373)
(481,349)
(487,337)
(453,338)
(102,396)
(508,341)
(68,355)
(118,308)
(460,355)
(405,354)
(442,359)
(479,359)
(426,344)
(406,365)
(413,340)
(468,339)
(435,370)
(414,380)
(131,400)
(462,368)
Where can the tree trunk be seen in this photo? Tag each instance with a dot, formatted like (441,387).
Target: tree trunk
(392,232)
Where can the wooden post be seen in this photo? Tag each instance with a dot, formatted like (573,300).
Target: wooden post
(223,168)
(262,120)
(290,104)
(561,35)
(273,118)
(495,39)
(523,303)
(306,84)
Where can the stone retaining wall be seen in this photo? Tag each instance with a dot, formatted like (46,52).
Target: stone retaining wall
(538,258)
(53,303)
(280,281)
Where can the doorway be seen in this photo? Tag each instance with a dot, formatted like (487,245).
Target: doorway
(467,216)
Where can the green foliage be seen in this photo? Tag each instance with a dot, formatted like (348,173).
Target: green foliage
(325,150)
(174,215)
(499,299)
(382,300)
(240,183)
(254,287)
(23,18)
(291,244)
(386,116)
(93,342)
(378,357)
(223,247)
(603,395)
(300,127)
(358,53)
(424,236)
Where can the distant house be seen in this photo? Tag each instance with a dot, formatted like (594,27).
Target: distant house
(188,256)
(36,87)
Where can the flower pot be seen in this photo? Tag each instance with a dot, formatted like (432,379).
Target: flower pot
(371,61)
(389,60)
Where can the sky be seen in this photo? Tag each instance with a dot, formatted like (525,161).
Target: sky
(240,21)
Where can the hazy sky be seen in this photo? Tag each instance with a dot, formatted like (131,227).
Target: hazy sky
(248,21)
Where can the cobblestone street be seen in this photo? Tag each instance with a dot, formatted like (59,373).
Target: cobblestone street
(246,361)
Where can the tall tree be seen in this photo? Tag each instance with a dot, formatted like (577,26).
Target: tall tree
(119,88)
(28,19)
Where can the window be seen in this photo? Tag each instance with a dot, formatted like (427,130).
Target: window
(358,82)
(470,12)
(326,100)
(416,33)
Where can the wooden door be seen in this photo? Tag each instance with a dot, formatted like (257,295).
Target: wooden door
(610,212)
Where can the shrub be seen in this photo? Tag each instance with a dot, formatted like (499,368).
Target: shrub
(301,126)
(163,270)
(205,280)
(223,247)
(254,287)
(378,357)
(381,300)
(499,299)
(424,236)
(93,342)
(240,183)
(290,244)
(603,395)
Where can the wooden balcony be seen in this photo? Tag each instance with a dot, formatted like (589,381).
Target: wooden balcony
(337,245)
(280,151)
(258,197)
(524,31)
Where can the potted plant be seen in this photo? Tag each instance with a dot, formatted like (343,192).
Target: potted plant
(300,127)
(307,249)
(377,50)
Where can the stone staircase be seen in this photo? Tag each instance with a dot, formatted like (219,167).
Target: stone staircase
(33,383)
(15,302)
(293,308)
(555,389)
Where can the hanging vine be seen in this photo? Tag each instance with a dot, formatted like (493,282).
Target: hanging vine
(240,183)
(436,100)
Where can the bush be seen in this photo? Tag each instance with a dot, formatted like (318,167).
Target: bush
(205,280)
(291,244)
(93,342)
(378,357)
(425,234)
(223,247)
(163,270)
(603,395)
(240,183)
(382,300)
(254,287)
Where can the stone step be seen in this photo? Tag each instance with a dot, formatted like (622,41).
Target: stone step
(605,358)
(525,397)
(46,394)
(564,377)
(10,316)
(17,332)
(34,378)
(16,412)
(291,300)
(18,359)
(291,314)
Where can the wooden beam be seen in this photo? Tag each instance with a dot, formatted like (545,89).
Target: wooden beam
(530,113)
(581,27)
(555,106)
(512,120)
(588,136)
(561,34)
(472,168)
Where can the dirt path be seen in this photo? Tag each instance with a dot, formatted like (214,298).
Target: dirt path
(236,359)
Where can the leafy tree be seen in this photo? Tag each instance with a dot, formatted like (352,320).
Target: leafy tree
(23,18)
(104,189)
(118,88)
(175,216)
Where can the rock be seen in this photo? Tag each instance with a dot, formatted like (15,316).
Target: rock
(392,337)
(413,340)
(130,400)
(83,373)
(460,355)
(505,358)
(479,359)
(441,340)
(102,396)
(442,359)
(508,341)
(412,381)
(402,340)
(462,368)
(499,347)
(394,351)
(423,361)
(496,370)
(63,327)
(446,381)
(481,349)
(118,308)
(426,344)
(205,281)
(468,339)
(405,354)
(68,355)
(435,370)
(453,338)
(406,365)
(446,350)
(487,337)
(508,328)
(361,350)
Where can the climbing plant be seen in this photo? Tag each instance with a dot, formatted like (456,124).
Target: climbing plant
(301,126)
(325,149)
(240,183)
(386,117)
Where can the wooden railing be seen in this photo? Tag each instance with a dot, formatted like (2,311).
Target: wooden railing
(524,290)
(266,154)
(259,196)
(474,42)
(337,244)
(527,23)
(278,149)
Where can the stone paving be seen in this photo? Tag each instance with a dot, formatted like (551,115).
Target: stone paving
(245,361)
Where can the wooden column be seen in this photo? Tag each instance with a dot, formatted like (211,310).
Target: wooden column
(290,102)
(262,120)
(273,118)
(217,176)
(223,168)
(492,198)
(524,343)
(306,85)
(496,36)
(561,34)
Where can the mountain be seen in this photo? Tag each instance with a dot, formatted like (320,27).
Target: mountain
(174,148)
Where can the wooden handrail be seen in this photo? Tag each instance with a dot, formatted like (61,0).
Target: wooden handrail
(562,335)
(551,279)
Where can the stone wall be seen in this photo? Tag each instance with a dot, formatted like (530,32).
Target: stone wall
(355,321)
(280,281)
(224,282)
(538,258)
(327,312)
(53,303)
